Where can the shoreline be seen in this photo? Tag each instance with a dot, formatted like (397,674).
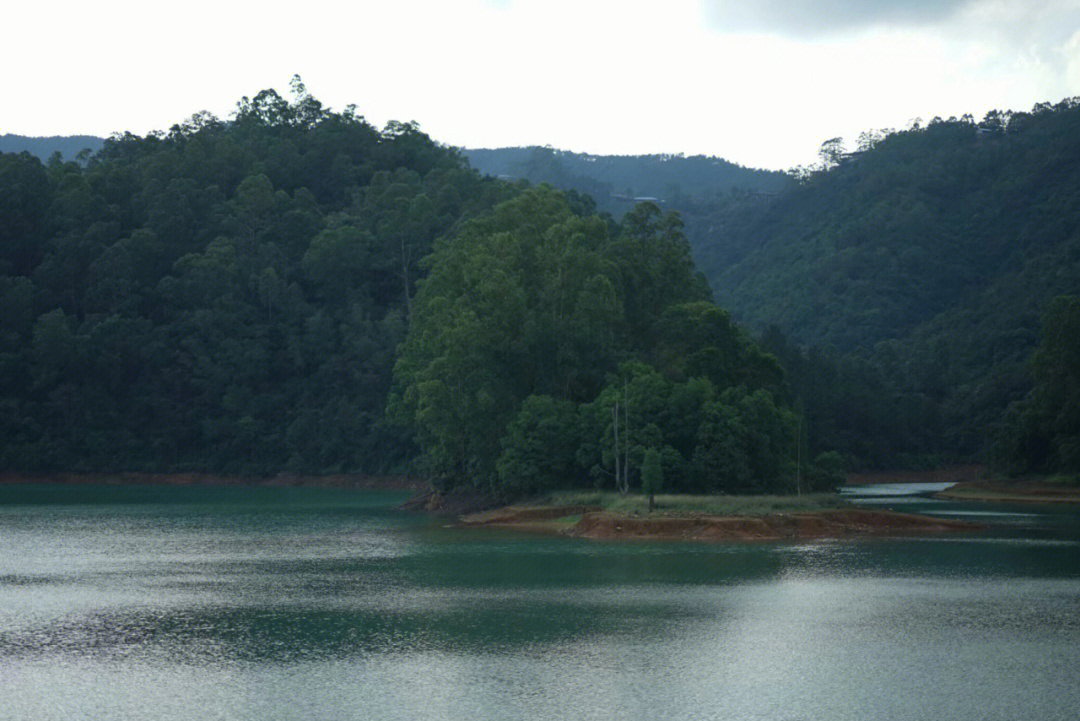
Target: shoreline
(1011,492)
(594,523)
(357,481)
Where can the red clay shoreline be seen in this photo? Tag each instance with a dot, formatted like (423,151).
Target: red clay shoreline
(795,526)
(282,480)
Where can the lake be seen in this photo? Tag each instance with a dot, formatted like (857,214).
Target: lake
(129,602)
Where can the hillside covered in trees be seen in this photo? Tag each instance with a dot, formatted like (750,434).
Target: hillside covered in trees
(902,287)
(253,295)
(226,296)
(918,269)
(549,348)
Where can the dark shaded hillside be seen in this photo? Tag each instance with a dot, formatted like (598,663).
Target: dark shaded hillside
(227,296)
(923,222)
(930,257)
(269,264)
(69,146)
(615,180)
(296,290)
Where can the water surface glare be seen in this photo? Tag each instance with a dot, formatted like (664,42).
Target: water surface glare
(285,604)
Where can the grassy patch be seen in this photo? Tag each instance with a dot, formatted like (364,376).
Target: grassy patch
(1067,479)
(676,504)
(565,521)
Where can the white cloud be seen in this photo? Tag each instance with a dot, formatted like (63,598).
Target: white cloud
(602,76)
(814,18)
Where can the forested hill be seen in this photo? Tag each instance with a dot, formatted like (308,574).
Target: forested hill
(69,146)
(614,181)
(226,296)
(920,224)
(930,256)
(296,290)
(232,295)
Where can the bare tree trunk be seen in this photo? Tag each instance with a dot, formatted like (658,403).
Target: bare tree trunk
(798,459)
(626,440)
(615,430)
(405,275)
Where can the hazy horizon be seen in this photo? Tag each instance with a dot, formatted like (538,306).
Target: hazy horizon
(761,86)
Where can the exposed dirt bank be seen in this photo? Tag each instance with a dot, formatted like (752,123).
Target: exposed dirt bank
(949,474)
(340,480)
(1014,492)
(589,522)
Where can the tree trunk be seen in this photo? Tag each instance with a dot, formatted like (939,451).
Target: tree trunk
(798,459)
(626,440)
(615,430)
(405,276)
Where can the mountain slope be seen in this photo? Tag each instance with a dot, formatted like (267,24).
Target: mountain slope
(226,297)
(614,181)
(930,256)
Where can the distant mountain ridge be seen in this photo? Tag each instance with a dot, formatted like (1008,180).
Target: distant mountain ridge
(69,146)
(615,182)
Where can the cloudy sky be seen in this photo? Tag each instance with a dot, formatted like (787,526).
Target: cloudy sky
(761,83)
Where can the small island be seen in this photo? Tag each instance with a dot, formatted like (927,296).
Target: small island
(718,519)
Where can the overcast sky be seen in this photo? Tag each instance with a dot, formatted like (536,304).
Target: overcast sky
(759,83)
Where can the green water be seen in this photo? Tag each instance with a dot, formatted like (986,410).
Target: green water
(264,604)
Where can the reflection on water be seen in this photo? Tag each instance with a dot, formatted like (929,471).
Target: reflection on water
(893,490)
(307,604)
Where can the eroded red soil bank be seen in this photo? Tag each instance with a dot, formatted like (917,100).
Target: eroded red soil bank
(838,523)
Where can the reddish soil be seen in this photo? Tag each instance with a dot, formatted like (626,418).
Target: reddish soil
(597,524)
(341,480)
(949,474)
(841,523)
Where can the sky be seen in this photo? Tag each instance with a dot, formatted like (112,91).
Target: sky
(762,83)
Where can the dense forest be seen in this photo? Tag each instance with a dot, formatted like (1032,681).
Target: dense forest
(919,268)
(901,285)
(550,347)
(266,269)
(249,296)
(226,296)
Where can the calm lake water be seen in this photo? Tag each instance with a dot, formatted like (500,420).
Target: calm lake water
(272,604)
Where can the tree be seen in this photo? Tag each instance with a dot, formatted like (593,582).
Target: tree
(1041,433)
(539,448)
(652,476)
(831,152)
(519,304)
